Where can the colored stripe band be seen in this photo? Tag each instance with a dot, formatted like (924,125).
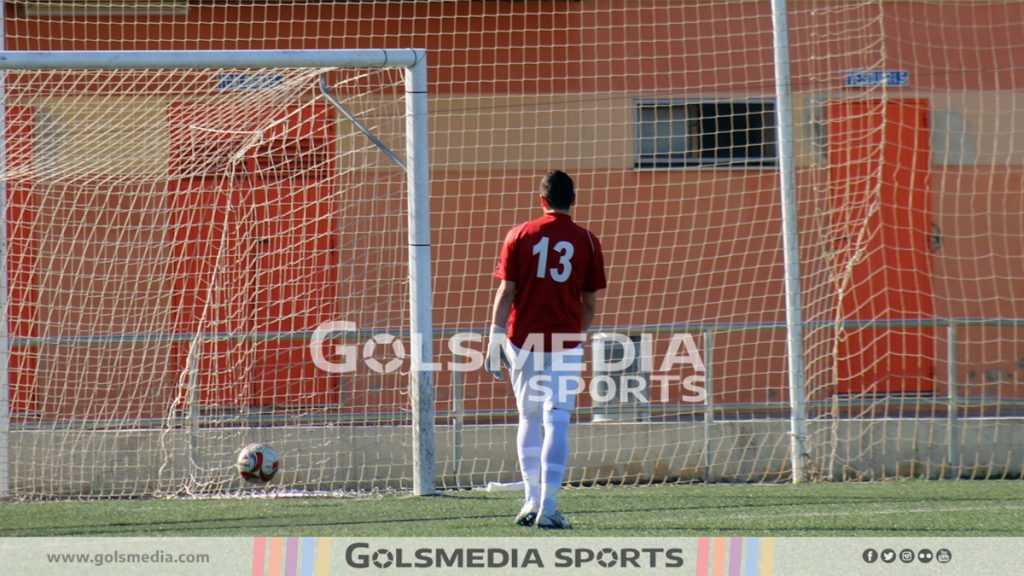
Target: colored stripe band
(753,549)
(291,556)
(719,550)
(259,552)
(703,545)
(767,556)
(735,556)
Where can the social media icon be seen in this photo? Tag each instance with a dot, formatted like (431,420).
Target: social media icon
(870,556)
(888,555)
(906,556)
(925,555)
(943,555)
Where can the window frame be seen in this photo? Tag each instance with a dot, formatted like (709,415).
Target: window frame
(676,160)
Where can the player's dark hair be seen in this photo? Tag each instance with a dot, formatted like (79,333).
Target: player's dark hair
(558,189)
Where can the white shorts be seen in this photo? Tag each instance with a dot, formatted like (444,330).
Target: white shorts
(545,381)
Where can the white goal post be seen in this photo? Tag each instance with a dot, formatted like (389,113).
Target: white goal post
(416,166)
(790,241)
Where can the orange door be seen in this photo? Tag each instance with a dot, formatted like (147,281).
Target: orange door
(879,170)
(23,288)
(294,288)
(210,297)
(256,259)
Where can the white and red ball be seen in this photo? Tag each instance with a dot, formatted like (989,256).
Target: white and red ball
(258,462)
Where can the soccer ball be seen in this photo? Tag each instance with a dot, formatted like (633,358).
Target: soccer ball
(258,462)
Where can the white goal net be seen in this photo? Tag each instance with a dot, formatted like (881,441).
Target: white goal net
(176,241)
(175,238)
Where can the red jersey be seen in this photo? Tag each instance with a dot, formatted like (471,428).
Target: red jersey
(552,261)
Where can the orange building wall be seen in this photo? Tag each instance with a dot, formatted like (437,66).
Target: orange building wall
(534,48)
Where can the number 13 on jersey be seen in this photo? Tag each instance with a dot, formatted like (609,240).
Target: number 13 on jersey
(563,270)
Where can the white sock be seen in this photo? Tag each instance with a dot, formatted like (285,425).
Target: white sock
(554,456)
(528,444)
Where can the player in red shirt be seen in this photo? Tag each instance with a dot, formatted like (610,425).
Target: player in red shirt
(550,270)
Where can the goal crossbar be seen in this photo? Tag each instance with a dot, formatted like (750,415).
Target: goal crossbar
(416,165)
(184,59)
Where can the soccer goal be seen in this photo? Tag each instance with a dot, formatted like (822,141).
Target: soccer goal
(191,239)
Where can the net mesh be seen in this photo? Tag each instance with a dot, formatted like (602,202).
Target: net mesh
(162,243)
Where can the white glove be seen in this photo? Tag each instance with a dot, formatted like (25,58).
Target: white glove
(496,351)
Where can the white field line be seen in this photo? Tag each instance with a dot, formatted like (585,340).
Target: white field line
(872,512)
